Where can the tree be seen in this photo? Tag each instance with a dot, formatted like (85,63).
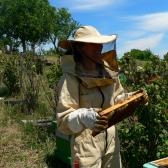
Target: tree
(145,55)
(12,44)
(64,25)
(29,21)
(166,57)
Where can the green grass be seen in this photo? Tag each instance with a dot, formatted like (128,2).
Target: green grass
(24,145)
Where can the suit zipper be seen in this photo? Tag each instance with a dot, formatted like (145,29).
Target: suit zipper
(103,99)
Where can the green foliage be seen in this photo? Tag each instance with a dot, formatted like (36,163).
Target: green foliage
(26,20)
(4,91)
(33,22)
(138,54)
(10,76)
(30,89)
(63,27)
(50,52)
(35,137)
(133,140)
(39,66)
(54,74)
(166,57)
(145,139)
(65,24)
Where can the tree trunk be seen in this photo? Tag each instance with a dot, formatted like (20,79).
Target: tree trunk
(11,48)
(55,46)
(53,40)
(24,46)
(5,49)
(33,48)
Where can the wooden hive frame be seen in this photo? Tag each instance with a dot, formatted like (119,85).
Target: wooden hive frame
(113,113)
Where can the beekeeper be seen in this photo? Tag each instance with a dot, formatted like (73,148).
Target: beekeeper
(89,84)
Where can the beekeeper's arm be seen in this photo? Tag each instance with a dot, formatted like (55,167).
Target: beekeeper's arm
(119,93)
(70,118)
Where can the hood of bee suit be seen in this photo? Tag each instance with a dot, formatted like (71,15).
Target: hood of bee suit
(69,67)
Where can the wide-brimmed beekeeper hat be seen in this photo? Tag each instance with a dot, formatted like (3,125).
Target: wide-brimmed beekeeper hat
(87,34)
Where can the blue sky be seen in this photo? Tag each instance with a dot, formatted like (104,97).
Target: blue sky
(141,24)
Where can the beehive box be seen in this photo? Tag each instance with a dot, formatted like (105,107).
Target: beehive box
(161,163)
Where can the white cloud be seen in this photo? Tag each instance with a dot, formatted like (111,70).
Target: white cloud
(146,32)
(134,34)
(154,22)
(143,43)
(89,4)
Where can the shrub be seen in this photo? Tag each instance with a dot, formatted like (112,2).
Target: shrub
(145,139)
(4,91)
(54,74)
(10,75)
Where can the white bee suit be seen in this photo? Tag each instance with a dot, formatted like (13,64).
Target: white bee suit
(78,94)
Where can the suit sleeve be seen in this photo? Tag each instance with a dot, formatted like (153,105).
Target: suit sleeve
(68,101)
(118,89)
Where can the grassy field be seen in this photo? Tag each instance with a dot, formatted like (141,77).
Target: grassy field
(23,145)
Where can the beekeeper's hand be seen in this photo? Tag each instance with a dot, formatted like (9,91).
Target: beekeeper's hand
(82,118)
(141,100)
(123,96)
(101,123)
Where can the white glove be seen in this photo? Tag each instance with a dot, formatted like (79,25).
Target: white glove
(123,96)
(82,118)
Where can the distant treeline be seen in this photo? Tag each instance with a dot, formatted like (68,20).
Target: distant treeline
(143,55)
